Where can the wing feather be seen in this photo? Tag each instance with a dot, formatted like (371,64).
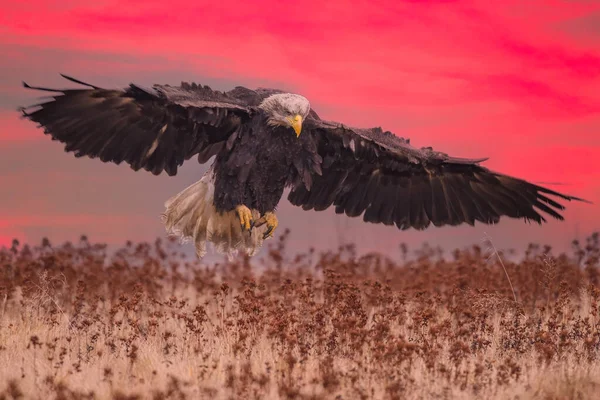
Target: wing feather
(440,202)
(457,212)
(155,129)
(402,207)
(391,182)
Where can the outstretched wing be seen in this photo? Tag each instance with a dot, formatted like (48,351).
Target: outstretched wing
(156,129)
(381,175)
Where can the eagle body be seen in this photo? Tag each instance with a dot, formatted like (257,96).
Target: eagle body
(264,140)
(258,167)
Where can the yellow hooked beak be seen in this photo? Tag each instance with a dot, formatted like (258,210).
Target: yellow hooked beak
(296,123)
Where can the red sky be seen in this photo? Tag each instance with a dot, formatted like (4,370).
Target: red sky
(516,81)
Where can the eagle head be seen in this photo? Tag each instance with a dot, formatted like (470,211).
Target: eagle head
(286,109)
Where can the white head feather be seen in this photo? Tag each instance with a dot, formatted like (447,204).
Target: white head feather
(283,106)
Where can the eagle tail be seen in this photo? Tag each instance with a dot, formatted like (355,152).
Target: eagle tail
(192,216)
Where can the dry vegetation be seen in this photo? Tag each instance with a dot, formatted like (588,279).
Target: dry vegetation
(147,323)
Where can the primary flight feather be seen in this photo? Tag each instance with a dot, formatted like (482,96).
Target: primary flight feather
(265,140)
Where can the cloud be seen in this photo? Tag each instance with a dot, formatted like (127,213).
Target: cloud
(586,27)
(15,129)
(472,78)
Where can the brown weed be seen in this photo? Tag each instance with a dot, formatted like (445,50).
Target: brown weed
(146,322)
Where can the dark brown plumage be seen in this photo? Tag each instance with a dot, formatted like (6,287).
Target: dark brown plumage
(381,175)
(365,172)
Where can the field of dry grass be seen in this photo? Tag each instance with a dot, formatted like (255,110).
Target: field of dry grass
(147,323)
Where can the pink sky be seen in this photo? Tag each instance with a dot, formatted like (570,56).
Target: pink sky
(515,81)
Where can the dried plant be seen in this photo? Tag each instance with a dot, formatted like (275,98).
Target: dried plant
(146,322)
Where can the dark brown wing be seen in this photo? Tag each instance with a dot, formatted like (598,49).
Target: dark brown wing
(381,175)
(155,129)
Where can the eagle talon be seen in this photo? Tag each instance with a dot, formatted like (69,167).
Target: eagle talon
(245,216)
(268,233)
(270,219)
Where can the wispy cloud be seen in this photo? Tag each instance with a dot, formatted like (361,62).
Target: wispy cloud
(518,81)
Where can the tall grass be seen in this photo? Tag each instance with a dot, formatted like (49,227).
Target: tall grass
(148,323)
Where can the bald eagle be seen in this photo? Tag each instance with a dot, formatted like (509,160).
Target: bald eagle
(266,140)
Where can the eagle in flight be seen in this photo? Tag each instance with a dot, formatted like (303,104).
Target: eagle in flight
(266,140)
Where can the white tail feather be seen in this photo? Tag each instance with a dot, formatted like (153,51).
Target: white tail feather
(191,215)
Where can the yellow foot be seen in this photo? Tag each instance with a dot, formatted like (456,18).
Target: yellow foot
(271,220)
(245,216)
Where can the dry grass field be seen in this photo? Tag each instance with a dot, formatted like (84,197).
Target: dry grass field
(147,323)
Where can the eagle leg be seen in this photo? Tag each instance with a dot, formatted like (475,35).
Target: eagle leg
(271,220)
(245,216)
